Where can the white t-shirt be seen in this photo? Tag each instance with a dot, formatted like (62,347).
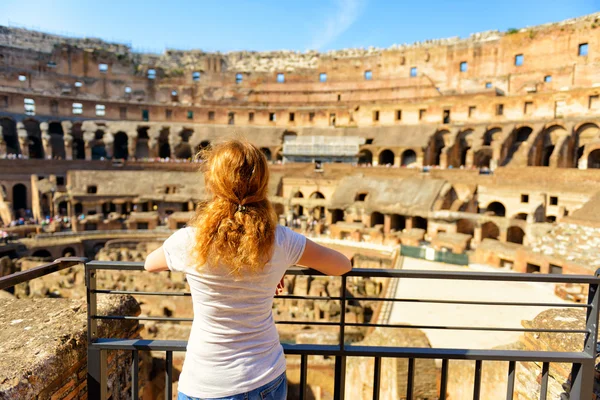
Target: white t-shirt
(233,346)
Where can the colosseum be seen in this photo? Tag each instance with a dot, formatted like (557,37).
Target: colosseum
(482,150)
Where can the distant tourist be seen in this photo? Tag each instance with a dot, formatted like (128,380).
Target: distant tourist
(235,256)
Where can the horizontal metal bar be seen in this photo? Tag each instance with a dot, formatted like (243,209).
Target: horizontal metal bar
(367,351)
(403,273)
(322,323)
(140,293)
(477,303)
(147,318)
(468,328)
(37,272)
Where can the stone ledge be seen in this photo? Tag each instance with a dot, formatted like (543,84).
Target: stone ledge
(41,339)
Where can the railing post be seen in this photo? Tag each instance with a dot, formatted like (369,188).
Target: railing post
(340,361)
(582,374)
(96,359)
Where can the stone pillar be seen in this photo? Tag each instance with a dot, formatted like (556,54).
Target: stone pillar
(23,139)
(495,161)
(503,234)
(387,223)
(444,159)
(109,141)
(88,138)
(153,135)
(68,139)
(469,159)
(477,235)
(132,138)
(420,158)
(408,223)
(46,141)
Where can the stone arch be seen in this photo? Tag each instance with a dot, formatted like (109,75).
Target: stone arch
(521,216)
(185,135)
(462,145)
(317,195)
(34,138)
(121,146)
(142,149)
(386,157)
(361,196)
(298,209)
(491,135)
(496,208)
(183,151)
(482,158)
(57,140)
(437,144)
(63,208)
(9,132)
(376,218)
(420,223)
(164,148)
(490,230)
(408,157)
(19,197)
(594,159)
(515,235)
(544,146)
(465,226)
(515,141)
(69,252)
(365,157)
(98,146)
(585,134)
(267,152)
(78,144)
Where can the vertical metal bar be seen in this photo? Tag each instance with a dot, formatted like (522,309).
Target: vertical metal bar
(340,361)
(582,374)
(96,376)
(135,382)
(92,306)
(510,387)
(169,376)
(477,385)
(544,387)
(410,380)
(444,380)
(303,368)
(376,377)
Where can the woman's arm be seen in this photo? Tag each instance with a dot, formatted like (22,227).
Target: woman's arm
(156,261)
(324,259)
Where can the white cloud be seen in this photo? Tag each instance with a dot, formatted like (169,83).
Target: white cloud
(346,13)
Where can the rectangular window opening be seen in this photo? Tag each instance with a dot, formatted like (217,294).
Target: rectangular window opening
(168,113)
(29,106)
(583,50)
(103,68)
(528,107)
(322,77)
(524,198)
(280,78)
(464,66)
(77,108)
(332,120)
(22,78)
(272,117)
(190,114)
(250,117)
(446,116)
(211,115)
(231,118)
(375,116)
(472,110)
(239,78)
(78,84)
(292,117)
(488,85)
(127,90)
(413,72)
(422,113)
(533,268)
(369,141)
(311,116)
(196,76)
(548,78)
(594,102)
(499,109)
(553,200)
(368,75)
(100,110)
(151,74)
(398,115)
(145,115)
(556,269)
(4,102)
(519,60)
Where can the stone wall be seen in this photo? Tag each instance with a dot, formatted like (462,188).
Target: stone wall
(43,344)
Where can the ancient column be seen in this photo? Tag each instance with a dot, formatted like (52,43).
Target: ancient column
(68,139)
(132,138)
(153,135)
(88,138)
(109,141)
(444,158)
(46,140)
(387,223)
(469,159)
(23,139)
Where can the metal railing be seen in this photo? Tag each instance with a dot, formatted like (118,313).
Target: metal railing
(582,375)
(582,361)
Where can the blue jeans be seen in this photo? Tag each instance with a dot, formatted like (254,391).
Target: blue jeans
(274,390)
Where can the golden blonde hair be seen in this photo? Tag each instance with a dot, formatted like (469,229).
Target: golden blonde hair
(236,227)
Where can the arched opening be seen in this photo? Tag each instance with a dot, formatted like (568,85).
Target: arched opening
(78,209)
(98,147)
(420,223)
(594,159)
(183,151)
(69,252)
(19,197)
(34,137)
(519,136)
(376,218)
(57,140)
(386,157)
(63,208)
(78,144)
(141,146)
(108,208)
(298,209)
(365,157)
(266,152)
(318,212)
(42,254)
(515,235)
(461,148)
(337,215)
(585,134)
(9,131)
(496,208)
(490,135)
(185,135)
(546,154)
(121,146)
(317,195)
(465,226)
(521,216)
(361,196)
(550,219)
(45,202)
(408,157)
(437,145)
(482,158)
(522,134)
(164,149)
(490,230)
(397,222)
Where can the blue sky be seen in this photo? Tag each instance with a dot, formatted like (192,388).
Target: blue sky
(153,25)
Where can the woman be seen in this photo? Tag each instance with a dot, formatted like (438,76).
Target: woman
(234,255)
